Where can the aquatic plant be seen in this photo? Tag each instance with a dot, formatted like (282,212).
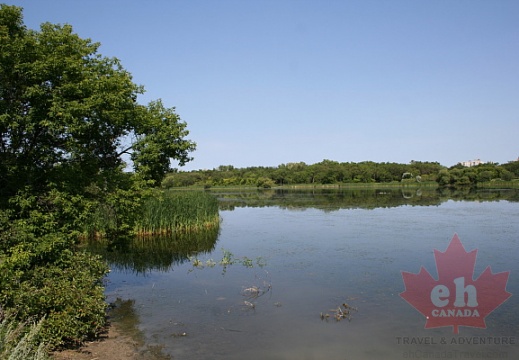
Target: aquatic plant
(342,311)
(253,292)
(158,212)
(169,212)
(227,259)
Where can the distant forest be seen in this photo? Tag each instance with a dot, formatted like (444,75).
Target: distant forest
(333,172)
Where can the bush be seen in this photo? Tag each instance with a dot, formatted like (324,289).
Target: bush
(43,277)
(67,295)
(265,183)
(485,176)
(507,175)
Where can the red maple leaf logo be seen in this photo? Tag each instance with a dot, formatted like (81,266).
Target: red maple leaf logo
(455,299)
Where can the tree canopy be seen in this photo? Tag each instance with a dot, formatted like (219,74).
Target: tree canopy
(333,172)
(68,114)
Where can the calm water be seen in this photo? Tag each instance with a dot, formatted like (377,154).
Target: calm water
(316,251)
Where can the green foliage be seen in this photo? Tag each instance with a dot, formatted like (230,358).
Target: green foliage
(513,167)
(66,111)
(68,295)
(476,176)
(67,116)
(160,138)
(333,172)
(167,212)
(42,277)
(485,176)
(507,175)
(227,259)
(113,214)
(325,172)
(265,183)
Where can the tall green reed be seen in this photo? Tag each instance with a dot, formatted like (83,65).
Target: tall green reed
(161,213)
(168,212)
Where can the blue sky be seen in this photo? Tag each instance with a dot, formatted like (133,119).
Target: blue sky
(261,83)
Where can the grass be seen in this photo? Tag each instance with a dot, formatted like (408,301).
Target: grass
(163,213)
(362,185)
(19,341)
(499,184)
(170,212)
(346,185)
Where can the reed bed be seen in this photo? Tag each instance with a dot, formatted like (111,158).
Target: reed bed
(173,212)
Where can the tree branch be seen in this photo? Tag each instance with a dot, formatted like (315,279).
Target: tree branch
(125,151)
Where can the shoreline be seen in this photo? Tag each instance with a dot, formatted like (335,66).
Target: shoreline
(122,340)
(113,345)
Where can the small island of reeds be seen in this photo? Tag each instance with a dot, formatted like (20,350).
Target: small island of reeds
(174,212)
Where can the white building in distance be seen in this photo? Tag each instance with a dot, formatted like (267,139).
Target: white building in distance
(471,163)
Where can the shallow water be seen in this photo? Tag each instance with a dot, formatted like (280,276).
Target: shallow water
(314,259)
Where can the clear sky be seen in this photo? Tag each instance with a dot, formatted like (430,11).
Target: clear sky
(261,83)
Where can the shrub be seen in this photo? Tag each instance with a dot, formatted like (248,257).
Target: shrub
(43,277)
(265,183)
(66,293)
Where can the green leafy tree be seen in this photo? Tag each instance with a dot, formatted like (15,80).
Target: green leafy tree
(485,175)
(265,183)
(66,113)
(67,117)
(444,177)
(280,175)
(512,166)
(506,175)
(159,138)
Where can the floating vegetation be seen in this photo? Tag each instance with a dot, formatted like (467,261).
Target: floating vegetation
(260,287)
(341,312)
(249,304)
(254,292)
(227,259)
(180,334)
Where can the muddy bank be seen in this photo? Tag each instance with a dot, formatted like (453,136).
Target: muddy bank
(122,341)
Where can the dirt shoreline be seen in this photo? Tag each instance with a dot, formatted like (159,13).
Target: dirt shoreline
(122,340)
(111,346)
(119,343)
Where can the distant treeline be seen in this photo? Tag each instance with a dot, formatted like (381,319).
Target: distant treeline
(333,172)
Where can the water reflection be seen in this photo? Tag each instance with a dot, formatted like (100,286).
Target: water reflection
(372,198)
(142,255)
(322,248)
(145,254)
(123,313)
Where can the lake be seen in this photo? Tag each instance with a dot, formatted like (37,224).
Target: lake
(294,256)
